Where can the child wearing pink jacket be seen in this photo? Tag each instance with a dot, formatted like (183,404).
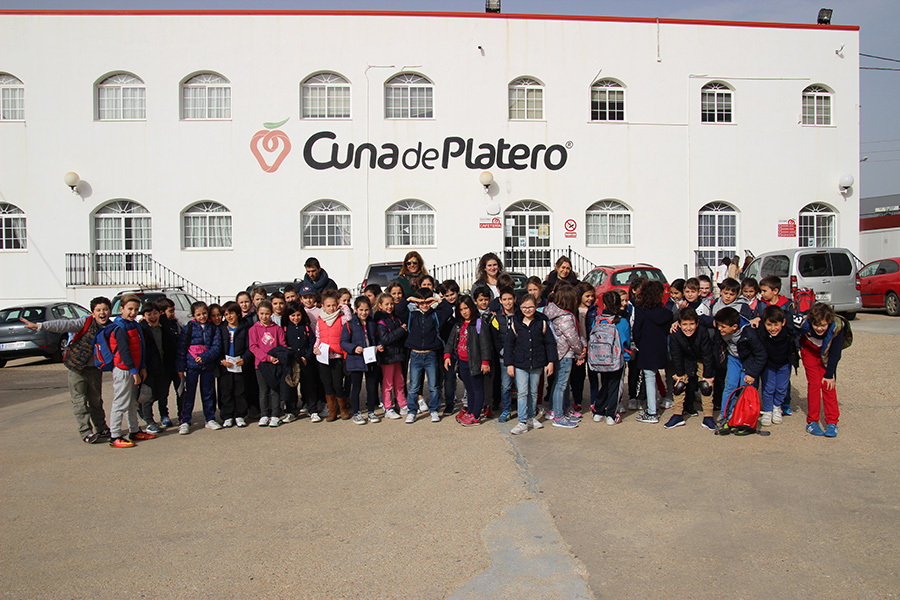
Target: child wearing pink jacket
(264,336)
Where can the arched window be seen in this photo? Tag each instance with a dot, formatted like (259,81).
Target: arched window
(608,224)
(325,223)
(12,98)
(715,103)
(409,223)
(206,224)
(817,105)
(409,96)
(206,96)
(526,239)
(121,97)
(325,96)
(817,226)
(12,227)
(716,234)
(122,236)
(526,99)
(607,101)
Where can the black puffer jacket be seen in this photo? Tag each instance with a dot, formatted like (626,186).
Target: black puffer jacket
(478,344)
(687,351)
(530,346)
(390,334)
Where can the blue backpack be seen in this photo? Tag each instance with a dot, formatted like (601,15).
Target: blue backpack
(104,349)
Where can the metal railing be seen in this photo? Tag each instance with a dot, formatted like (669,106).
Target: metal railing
(702,267)
(135,269)
(529,261)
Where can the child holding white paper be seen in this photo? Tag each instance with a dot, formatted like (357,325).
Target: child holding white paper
(358,341)
(329,325)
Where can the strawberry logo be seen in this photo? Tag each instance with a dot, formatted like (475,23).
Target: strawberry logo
(272,140)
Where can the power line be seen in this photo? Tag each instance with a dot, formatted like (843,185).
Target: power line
(878,69)
(880,141)
(880,57)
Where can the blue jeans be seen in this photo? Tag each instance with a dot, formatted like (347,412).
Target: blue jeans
(734,377)
(506,384)
(650,384)
(775,384)
(423,363)
(527,381)
(561,387)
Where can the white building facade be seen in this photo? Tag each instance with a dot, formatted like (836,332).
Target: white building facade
(230,146)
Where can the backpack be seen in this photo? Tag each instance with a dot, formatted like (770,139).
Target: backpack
(105,347)
(804,298)
(742,410)
(604,347)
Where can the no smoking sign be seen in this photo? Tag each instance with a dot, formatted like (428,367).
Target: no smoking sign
(571,227)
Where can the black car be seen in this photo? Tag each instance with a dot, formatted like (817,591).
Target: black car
(275,286)
(17,341)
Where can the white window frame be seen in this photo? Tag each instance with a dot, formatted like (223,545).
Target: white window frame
(817,106)
(196,90)
(325,95)
(607,219)
(13,228)
(115,91)
(332,220)
(420,223)
(409,96)
(112,223)
(817,222)
(526,99)
(717,101)
(206,225)
(606,92)
(713,227)
(12,98)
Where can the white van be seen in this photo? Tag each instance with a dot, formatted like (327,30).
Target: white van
(831,272)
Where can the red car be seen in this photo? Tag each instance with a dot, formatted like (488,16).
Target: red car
(879,285)
(614,277)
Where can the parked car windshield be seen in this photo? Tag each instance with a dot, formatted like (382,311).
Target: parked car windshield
(382,274)
(32,313)
(624,278)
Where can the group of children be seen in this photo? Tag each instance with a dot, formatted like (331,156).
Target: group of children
(304,352)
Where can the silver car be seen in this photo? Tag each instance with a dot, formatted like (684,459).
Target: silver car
(832,273)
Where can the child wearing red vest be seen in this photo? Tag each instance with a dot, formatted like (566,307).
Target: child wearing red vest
(127,374)
(331,320)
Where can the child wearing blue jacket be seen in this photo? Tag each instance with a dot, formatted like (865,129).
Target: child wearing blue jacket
(426,314)
(199,346)
(300,338)
(235,353)
(606,403)
(357,334)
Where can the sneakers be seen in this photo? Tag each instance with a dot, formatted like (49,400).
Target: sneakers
(816,429)
(765,418)
(488,413)
(404,410)
(373,418)
(565,423)
(612,420)
(358,419)
(505,415)
(184,429)
(461,414)
(315,418)
(667,403)
(831,430)
(240,422)
(632,404)
(289,418)
(468,420)
(535,424)
(674,421)
(91,438)
(165,422)
(573,416)
(423,406)
(104,433)
(121,443)
(776,416)
(645,417)
(410,418)
(786,410)
(153,428)
(263,421)
(598,418)
(141,435)
(227,423)
(435,417)
(391,414)
(213,424)
(519,428)
(303,411)
(708,423)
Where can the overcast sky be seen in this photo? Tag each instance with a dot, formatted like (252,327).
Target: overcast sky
(878,21)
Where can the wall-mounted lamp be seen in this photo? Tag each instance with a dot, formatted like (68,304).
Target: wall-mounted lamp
(486,180)
(845,183)
(824,17)
(72,180)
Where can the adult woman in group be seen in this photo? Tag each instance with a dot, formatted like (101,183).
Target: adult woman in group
(488,272)
(561,273)
(411,273)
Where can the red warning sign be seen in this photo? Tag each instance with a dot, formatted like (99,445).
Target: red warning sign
(571,226)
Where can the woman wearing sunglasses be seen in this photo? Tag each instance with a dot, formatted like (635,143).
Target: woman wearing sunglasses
(411,273)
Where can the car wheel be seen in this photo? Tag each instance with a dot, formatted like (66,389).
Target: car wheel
(892,304)
(850,316)
(60,352)
(2,363)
